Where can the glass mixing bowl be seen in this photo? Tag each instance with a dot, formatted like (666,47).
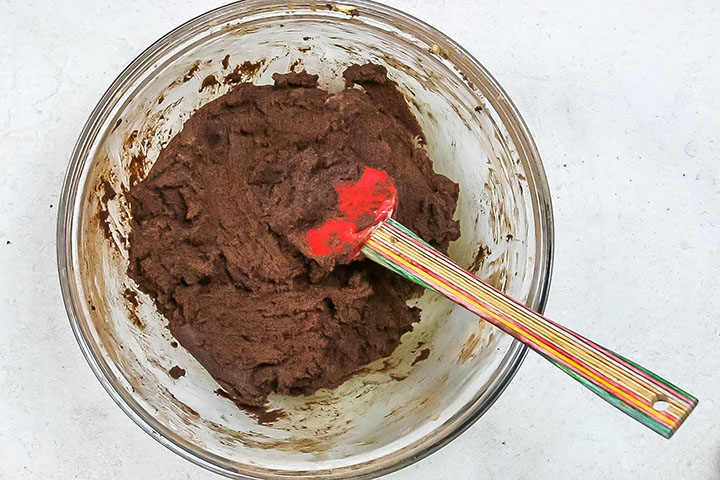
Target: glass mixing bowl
(392,412)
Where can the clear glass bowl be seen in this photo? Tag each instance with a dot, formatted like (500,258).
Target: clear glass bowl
(393,412)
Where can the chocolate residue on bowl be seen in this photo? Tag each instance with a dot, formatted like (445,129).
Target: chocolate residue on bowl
(233,78)
(176,372)
(108,191)
(131,296)
(218,229)
(136,167)
(261,414)
(103,215)
(130,140)
(244,72)
(104,218)
(209,81)
(482,254)
(346,9)
(468,348)
(424,354)
(189,75)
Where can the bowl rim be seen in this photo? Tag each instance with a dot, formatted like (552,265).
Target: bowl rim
(542,212)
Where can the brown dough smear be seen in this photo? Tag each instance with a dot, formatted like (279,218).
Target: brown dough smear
(217,224)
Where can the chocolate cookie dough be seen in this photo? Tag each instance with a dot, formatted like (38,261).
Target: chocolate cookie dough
(218,227)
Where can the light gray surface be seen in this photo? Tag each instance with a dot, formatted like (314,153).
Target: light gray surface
(623,99)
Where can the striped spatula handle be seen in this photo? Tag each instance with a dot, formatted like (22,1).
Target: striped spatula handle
(629,387)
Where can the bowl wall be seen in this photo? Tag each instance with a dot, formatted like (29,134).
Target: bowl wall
(394,411)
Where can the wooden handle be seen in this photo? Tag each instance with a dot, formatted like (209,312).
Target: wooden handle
(629,387)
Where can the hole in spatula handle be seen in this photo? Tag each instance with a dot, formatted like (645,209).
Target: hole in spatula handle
(661,404)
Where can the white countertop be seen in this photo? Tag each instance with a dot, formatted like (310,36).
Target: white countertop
(623,99)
